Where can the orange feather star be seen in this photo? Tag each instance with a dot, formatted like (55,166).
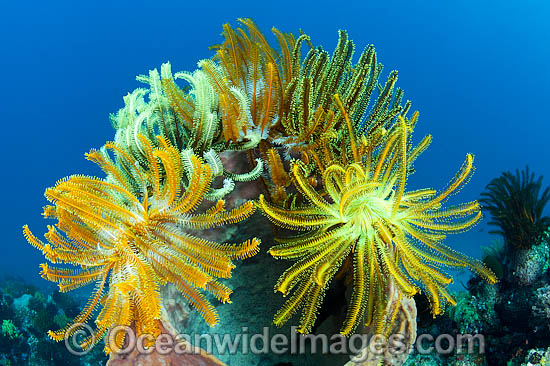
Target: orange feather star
(127,233)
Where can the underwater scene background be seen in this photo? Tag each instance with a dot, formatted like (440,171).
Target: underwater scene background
(476,71)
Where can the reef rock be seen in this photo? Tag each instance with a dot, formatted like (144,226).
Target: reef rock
(193,356)
(540,321)
(404,326)
(530,264)
(177,309)
(250,314)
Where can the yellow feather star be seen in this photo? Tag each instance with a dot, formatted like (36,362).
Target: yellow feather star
(127,234)
(363,214)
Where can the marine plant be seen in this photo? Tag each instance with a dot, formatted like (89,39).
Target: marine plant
(129,233)
(516,205)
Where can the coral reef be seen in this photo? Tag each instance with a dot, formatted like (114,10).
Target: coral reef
(512,316)
(475,314)
(323,146)
(529,264)
(541,309)
(537,357)
(26,313)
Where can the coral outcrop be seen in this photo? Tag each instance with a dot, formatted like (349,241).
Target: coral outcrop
(529,264)
(183,355)
(26,314)
(402,327)
(321,146)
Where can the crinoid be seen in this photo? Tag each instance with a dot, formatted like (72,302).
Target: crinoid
(189,118)
(362,211)
(291,100)
(246,61)
(127,233)
(516,204)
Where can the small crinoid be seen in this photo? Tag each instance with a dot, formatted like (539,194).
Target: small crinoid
(516,204)
(127,234)
(363,213)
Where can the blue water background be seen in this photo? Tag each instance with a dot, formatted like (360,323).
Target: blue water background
(478,72)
